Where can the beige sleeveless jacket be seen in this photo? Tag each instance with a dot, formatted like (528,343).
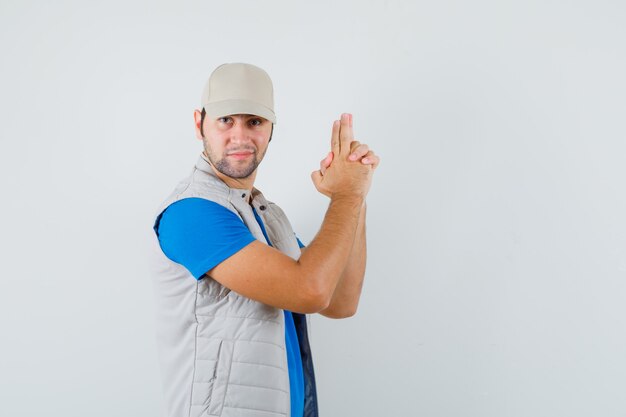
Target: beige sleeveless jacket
(223,354)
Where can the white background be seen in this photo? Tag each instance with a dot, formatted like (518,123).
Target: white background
(496,279)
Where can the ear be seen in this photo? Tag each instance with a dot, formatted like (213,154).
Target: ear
(197,120)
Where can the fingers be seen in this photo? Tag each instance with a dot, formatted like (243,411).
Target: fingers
(346,135)
(372,159)
(342,142)
(325,163)
(316,177)
(318,181)
(342,135)
(334,138)
(361,151)
(358,151)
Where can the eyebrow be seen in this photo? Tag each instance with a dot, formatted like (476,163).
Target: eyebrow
(247,116)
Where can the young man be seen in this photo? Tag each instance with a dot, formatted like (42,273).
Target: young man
(233,283)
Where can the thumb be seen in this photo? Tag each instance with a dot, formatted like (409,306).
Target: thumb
(316,177)
(328,159)
(325,163)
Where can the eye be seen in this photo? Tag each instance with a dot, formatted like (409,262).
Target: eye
(256,122)
(225,119)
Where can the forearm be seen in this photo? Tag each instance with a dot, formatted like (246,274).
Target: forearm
(345,299)
(326,257)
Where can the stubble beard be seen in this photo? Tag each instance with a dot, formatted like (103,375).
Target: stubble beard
(224,166)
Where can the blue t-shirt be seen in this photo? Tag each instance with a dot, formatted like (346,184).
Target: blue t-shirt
(199,234)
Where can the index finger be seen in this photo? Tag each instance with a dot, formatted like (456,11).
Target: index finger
(334,138)
(346,135)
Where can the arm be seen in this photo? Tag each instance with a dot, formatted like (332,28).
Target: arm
(345,299)
(265,274)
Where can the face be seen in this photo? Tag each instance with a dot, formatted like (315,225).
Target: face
(236,144)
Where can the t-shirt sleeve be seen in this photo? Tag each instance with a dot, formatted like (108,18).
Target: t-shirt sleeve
(199,234)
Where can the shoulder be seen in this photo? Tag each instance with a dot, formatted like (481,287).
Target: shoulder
(198,184)
(195,203)
(198,210)
(195,215)
(199,234)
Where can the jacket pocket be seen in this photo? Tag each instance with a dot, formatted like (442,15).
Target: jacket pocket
(221,377)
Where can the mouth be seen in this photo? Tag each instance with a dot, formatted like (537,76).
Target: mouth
(240,154)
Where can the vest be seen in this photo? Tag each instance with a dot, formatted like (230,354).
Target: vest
(222,354)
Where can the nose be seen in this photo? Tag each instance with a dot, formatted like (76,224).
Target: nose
(239,132)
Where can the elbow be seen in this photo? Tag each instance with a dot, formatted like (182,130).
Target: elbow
(349,313)
(316,302)
(324,302)
(317,298)
(342,312)
(320,300)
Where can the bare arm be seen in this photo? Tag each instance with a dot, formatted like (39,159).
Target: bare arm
(265,274)
(345,299)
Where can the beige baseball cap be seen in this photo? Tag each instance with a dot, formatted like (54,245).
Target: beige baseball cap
(239,89)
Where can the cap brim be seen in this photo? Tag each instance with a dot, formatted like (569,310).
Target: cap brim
(230,107)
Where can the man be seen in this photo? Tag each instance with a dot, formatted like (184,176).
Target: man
(233,283)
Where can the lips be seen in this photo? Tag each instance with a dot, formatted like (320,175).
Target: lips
(240,154)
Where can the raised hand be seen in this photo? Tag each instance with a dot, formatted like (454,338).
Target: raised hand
(347,150)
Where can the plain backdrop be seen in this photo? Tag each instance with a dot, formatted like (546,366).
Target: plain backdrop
(496,280)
